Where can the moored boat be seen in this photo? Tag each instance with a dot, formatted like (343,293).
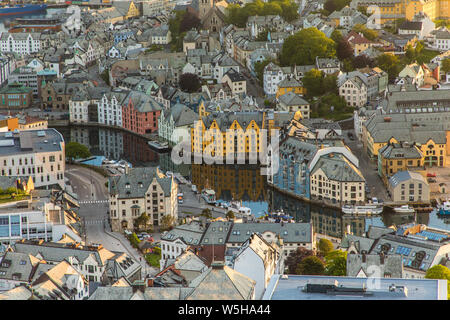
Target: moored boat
(404,209)
(362,209)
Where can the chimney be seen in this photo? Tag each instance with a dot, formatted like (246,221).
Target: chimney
(150,282)
(364,257)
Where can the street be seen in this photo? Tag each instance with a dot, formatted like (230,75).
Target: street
(92,195)
(368,168)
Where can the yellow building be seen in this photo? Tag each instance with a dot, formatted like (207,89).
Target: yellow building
(228,134)
(432,143)
(290,85)
(9,123)
(390,10)
(395,157)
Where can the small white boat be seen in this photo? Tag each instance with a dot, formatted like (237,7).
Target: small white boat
(404,209)
(363,209)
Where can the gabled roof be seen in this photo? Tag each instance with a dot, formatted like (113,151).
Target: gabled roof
(222,283)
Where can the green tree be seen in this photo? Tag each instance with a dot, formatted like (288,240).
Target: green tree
(363,10)
(336,263)
(142,220)
(336,36)
(303,47)
(311,266)
(134,240)
(312,81)
(325,246)
(440,272)
(445,66)
(75,150)
(189,82)
(167,221)
(230,214)
(347,65)
(368,33)
(390,64)
(334,107)
(335,5)
(207,213)
(105,76)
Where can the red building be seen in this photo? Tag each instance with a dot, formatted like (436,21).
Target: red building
(140,113)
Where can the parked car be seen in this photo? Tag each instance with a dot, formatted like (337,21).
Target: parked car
(128,233)
(432,175)
(431,180)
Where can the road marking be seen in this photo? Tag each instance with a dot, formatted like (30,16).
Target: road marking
(93,201)
(92,222)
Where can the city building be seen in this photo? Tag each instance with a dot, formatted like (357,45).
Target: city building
(389,11)
(420,246)
(95,263)
(335,176)
(16,96)
(220,135)
(110,108)
(354,91)
(374,265)
(395,157)
(288,236)
(258,260)
(20,43)
(293,102)
(408,186)
(409,109)
(141,190)
(36,153)
(140,113)
(174,125)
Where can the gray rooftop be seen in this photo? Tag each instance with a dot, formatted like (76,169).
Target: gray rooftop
(289,232)
(290,288)
(33,141)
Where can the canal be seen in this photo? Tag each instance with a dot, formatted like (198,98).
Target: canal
(238,183)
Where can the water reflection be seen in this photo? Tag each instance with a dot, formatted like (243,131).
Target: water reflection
(233,182)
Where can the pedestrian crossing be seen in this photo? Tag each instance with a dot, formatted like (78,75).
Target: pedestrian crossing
(95,221)
(93,201)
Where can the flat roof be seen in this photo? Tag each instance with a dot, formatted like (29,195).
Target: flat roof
(290,288)
(32,141)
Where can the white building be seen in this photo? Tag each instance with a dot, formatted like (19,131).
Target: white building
(43,222)
(110,108)
(176,241)
(258,260)
(273,75)
(441,40)
(78,106)
(354,91)
(20,43)
(35,153)
(174,124)
(141,190)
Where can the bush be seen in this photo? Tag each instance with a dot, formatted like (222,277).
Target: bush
(134,240)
